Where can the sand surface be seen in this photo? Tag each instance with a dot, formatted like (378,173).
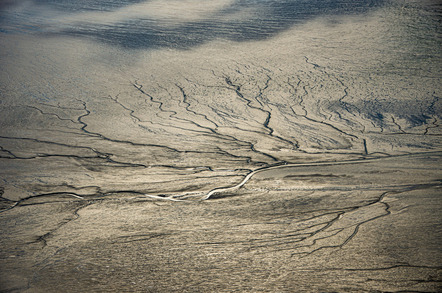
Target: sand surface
(227,148)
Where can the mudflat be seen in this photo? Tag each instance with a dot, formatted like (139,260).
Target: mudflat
(222,146)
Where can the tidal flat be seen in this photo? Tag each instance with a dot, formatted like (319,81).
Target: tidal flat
(220,146)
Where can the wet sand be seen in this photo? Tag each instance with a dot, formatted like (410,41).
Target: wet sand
(303,160)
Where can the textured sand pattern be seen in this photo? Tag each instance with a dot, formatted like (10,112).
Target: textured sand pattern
(223,157)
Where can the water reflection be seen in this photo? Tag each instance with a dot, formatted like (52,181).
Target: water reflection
(171,23)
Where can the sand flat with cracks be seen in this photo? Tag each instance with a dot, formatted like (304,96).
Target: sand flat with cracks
(238,146)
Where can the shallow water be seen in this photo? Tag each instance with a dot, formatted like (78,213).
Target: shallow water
(174,24)
(214,146)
